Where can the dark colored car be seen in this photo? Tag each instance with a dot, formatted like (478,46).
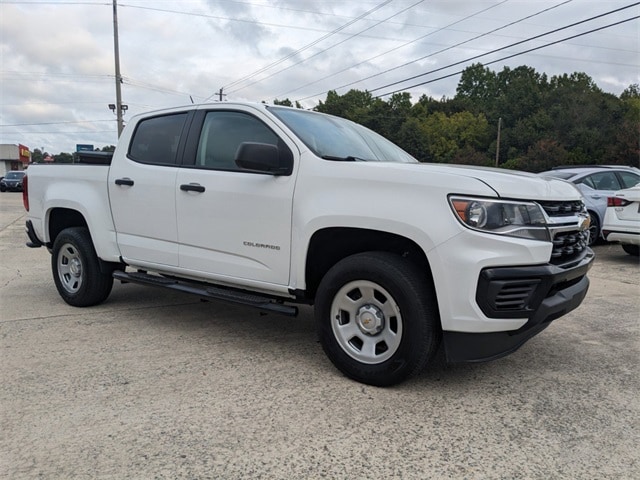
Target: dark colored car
(12,181)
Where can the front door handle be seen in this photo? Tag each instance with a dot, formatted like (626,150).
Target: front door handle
(192,187)
(124,181)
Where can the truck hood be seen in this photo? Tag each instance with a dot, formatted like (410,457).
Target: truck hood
(509,183)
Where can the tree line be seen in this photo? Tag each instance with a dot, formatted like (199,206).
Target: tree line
(516,118)
(38,155)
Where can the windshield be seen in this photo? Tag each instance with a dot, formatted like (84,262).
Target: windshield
(14,175)
(336,138)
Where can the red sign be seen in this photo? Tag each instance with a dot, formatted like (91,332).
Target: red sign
(25,154)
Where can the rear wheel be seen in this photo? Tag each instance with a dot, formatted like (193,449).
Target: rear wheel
(631,249)
(377,318)
(76,269)
(594,229)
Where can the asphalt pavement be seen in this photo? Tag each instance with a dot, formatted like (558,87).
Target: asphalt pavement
(159,385)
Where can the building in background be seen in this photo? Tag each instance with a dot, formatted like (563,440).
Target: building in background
(13,157)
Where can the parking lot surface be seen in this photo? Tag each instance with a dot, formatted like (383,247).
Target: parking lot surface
(153,384)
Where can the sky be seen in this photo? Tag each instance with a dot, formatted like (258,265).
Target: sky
(57,67)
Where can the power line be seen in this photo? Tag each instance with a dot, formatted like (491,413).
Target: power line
(335,45)
(149,86)
(52,3)
(83,132)
(463,61)
(231,19)
(309,45)
(55,123)
(508,56)
(505,47)
(414,41)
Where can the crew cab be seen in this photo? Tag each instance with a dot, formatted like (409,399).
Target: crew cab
(272,207)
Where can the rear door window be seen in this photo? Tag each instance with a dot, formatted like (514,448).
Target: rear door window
(156,139)
(629,179)
(604,181)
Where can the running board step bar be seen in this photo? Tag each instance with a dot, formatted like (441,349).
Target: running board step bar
(208,291)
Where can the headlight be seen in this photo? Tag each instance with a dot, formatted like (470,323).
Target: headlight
(502,217)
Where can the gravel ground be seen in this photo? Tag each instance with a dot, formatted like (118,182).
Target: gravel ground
(157,385)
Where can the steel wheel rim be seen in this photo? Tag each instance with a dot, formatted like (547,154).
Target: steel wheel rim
(366,322)
(70,268)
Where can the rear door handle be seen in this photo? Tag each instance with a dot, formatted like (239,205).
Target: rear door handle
(124,181)
(192,187)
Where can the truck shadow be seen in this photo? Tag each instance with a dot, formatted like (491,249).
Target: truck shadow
(280,341)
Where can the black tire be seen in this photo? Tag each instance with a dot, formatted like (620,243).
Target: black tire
(377,318)
(631,249)
(3,189)
(594,229)
(76,269)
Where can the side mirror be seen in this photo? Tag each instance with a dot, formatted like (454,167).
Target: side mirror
(264,158)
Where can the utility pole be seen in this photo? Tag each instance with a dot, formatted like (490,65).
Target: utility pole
(118,110)
(220,94)
(498,145)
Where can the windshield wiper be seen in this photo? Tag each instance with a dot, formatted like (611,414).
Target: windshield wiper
(349,158)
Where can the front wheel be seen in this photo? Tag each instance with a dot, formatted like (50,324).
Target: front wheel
(631,249)
(377,318)
(76,269)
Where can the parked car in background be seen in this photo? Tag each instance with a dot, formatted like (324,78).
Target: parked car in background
(622,220)
(12,181)
(597,183)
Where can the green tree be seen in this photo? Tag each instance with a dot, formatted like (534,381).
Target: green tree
(446,135)
(632,91)
(37,155)
(477,88)
(351,104)
(412,139)
(63,157)
(543,155)
(585,119)
(286,103)
(625,148)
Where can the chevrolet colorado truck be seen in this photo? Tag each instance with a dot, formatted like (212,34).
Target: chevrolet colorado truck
(273,207)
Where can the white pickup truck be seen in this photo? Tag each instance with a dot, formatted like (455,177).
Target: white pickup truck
(271,207)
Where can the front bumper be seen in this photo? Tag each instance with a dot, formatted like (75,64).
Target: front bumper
(12,187)
(539,293)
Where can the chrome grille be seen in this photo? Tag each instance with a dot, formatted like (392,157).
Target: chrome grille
(568,240)
(562,209)
(567,244)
